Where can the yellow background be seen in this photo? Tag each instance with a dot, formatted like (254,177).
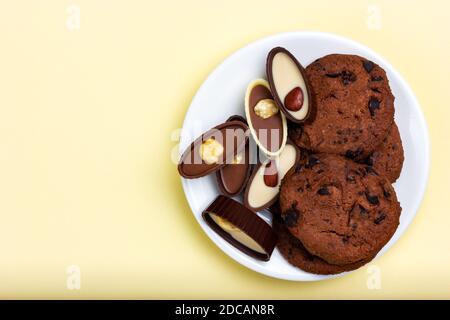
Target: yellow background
(86,118)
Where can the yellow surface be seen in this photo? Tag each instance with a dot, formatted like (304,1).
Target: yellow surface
(85,171)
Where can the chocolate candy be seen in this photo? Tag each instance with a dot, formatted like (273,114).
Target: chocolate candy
(233,177)
(267,124)
(264,184)
(289,85)
(213,149)
(241,227)
(237,117)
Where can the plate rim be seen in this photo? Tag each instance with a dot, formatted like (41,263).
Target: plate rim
(386,64)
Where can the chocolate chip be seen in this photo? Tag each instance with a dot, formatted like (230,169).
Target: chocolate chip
(348,77)
(369,161)
(379,78)
(312,161)
(353,226)
(323,191)
(372,199)
(386,194)
(381,216)
(371,170)
(374,104)
(300,189)
(350,154)
(368,65)
(345,239)
(376,90)
(353,154)
(290,217)
(333,75)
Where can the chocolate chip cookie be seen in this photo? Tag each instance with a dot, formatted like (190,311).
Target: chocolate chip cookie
(341,211)
(354,107)
(388,157)
(295,253)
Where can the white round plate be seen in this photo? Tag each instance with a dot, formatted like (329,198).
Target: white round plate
(222,95)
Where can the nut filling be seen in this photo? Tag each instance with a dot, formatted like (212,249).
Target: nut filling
(263,187)
(266,108)
(210,151)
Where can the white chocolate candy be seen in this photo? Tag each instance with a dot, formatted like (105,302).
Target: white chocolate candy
(259,195)
(288,84)
(287,76)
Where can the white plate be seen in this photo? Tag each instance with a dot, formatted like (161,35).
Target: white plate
(222,95)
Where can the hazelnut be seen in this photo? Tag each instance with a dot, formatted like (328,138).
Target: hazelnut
(266,108)
(210,151)
(271,174)
(294,99)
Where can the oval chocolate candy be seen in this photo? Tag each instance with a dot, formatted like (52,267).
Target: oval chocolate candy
(289,84)
(267,124)
(264,184)
(214,149)
(241,227)
(232,178)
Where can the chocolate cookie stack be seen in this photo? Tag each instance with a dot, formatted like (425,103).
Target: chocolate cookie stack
(337,207)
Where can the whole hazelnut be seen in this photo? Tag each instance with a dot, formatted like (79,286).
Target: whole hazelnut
(271,174)
(294,99)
